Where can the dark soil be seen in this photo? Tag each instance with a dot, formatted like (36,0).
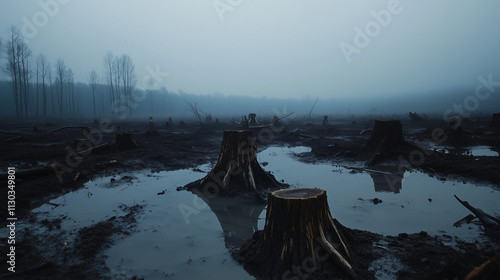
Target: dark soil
(343,142)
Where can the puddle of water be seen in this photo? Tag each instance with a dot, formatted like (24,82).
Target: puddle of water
(180,236)
(481,151)
(405,200)
(478,151)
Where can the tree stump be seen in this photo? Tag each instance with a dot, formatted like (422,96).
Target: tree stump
(253,119)
(495,120)
(386,133)
(237,170)
(325,120)
(125,141)
(298,225)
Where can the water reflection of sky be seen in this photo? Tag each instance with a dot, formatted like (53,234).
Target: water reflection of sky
(406,210)
(179,236)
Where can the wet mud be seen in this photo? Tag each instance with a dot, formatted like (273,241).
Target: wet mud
(79,255)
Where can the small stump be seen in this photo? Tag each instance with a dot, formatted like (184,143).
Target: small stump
(253,119)
(298,226)
(237,170)
(495,120)
(386,133)
(125,141)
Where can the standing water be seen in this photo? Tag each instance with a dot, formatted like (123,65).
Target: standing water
(180,236)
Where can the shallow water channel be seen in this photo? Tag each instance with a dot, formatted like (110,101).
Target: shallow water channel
(179,236)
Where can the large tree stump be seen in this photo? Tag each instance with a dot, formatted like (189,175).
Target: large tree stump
(386,133)
(237,170)
(299,225)
(252,119)
(125,141)
(495,120)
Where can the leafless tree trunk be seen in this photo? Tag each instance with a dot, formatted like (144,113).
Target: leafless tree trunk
(71,91)
(12,66)
(44,73)
(51,82)
(61,73)
(37,87)
(24,61)
(126,69)
(117,77)
(93,80)
(196,112)
(108,71)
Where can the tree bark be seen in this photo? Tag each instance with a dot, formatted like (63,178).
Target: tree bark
(495,120)
(298,222)
(237,170)
(125,141)
(386,133)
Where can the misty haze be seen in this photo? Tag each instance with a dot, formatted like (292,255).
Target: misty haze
(233,139)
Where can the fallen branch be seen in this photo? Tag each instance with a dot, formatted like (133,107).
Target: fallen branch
(94,149)
(65,127)
(341,261)
(14,139)
(38,171)
(33,270)
(487,220)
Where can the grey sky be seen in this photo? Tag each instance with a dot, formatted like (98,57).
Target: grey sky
(274,48)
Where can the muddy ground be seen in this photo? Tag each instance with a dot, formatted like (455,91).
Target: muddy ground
(29,144)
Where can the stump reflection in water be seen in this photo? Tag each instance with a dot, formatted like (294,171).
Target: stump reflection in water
(237,216)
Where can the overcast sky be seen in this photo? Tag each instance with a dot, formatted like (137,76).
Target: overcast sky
(278,48)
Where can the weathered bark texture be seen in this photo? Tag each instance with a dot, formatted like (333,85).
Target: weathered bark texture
(495,120)
(237,170)
(298,224)
(125,141)
(386,133)
(253,119)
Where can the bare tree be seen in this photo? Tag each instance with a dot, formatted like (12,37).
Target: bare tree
(43,69)
(24,65)
(12,67)
(117,77)
(51,87)
(70,84)
(61,73)
(196,111)
(109,72)
(123,78)
(128,76)
(93,80)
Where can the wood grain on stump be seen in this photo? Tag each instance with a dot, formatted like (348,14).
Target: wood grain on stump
(298,223)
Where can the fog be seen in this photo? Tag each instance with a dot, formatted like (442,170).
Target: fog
(229,56)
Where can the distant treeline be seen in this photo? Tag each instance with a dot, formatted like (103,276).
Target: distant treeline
(31,87)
